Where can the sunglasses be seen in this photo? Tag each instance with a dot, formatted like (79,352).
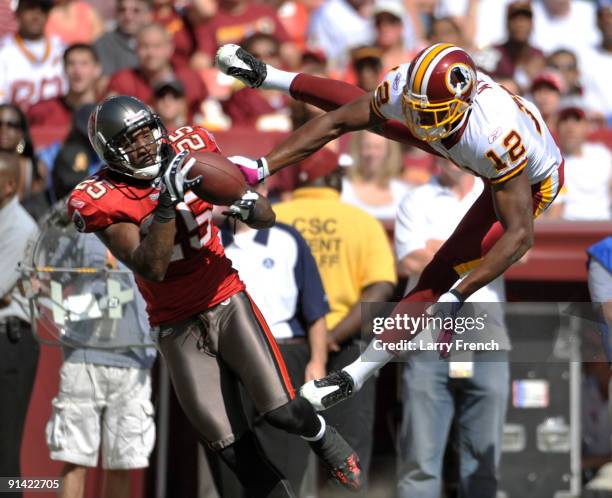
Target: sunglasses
(11,124)
(565,67)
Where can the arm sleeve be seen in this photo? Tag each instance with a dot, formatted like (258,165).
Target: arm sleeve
(410,230)
(378,264)
(312,301)
(387,98)
(86,215)
(328,94)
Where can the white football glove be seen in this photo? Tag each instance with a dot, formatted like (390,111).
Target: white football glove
(174,185)
(175,177)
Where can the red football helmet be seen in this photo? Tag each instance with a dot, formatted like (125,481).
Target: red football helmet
(440,87)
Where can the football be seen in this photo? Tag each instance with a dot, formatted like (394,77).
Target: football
(222,182)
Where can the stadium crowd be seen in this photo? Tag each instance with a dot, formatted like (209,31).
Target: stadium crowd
(58,58)
(67,54)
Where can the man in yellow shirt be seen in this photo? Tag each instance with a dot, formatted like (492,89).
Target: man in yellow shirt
(356,264)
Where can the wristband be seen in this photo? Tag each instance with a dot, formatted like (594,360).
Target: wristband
(263,166)
(456,293)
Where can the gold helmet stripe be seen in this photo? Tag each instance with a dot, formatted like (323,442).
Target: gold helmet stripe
(432,66)
(421,68)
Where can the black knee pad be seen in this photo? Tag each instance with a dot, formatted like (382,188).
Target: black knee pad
(260,478)
(297,417)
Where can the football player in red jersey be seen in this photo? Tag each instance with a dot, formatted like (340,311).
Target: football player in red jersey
(209,331)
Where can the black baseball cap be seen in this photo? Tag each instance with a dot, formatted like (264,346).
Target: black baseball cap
(45,5)
(170,86)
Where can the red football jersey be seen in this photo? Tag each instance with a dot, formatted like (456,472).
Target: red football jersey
(199,276)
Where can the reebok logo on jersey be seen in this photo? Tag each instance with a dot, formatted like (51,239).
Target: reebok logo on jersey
(396,81)
(494,135)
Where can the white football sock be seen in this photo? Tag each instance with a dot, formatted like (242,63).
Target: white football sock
(319,434)
(368,363)
(278,79)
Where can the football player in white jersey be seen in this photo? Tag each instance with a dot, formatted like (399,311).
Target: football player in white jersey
(31,66)
(442,104)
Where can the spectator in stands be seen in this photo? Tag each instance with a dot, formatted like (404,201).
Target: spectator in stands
(294,16)
(340,25)
(564,24)
(30,62)
(596,65)
(15,139)
(166,14)
(170,103)
(372,182)
(154,51)
(74,21)
(483,21)
(588,170)
(265,110)
(73,160)
(389,18)
(566,63)
(344,241)
(117,49)
(546,91)
(516,58)
(282,184)
(366,66)
(18,348)
(236,20)
(446,30)
(600,289)
(104,397)
(82,72)
(281,275)
(474,392)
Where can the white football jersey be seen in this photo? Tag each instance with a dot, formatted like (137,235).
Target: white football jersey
(503,135)
(30,70)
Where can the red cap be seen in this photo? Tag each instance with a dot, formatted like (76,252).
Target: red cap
(570,112)
(315,54)
(550,78)
(317,165)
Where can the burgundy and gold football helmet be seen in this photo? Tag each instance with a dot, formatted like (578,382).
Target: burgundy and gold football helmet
(440,87)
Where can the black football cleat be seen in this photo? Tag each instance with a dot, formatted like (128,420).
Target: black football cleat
(237,62)
(326,392)
(339,459)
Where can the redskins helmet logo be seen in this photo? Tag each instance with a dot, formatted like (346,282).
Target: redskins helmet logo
(460,79)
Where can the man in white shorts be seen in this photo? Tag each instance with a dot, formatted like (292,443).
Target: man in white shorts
(104,394)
